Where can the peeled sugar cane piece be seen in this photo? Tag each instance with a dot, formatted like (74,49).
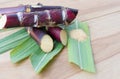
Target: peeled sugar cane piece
(37,19)
(44,40)
(59,34)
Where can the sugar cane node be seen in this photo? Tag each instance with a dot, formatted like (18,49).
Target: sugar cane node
(49,18)
(64,15)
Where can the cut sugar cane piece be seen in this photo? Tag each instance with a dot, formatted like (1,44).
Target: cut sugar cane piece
(43,39)
(59,34)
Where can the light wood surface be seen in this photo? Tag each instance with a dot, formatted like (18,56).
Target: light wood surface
(103,17)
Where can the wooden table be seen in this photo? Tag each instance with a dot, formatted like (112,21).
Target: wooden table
(103,17)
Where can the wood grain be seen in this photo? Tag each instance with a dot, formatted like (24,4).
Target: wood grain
(103,17)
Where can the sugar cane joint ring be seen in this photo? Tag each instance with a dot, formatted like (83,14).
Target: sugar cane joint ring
(49,18)
(20,17)
(64,15)
(28,9)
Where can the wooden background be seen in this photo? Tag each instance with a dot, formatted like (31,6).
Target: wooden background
(103,17)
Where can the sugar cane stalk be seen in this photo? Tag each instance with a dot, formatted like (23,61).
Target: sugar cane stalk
(31,8)
(59,34)
(35,19)
(44,40)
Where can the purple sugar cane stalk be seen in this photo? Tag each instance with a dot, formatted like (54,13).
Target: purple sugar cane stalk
(27,8)
(31,8)
(42,38)
(37,19)
(58,33)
